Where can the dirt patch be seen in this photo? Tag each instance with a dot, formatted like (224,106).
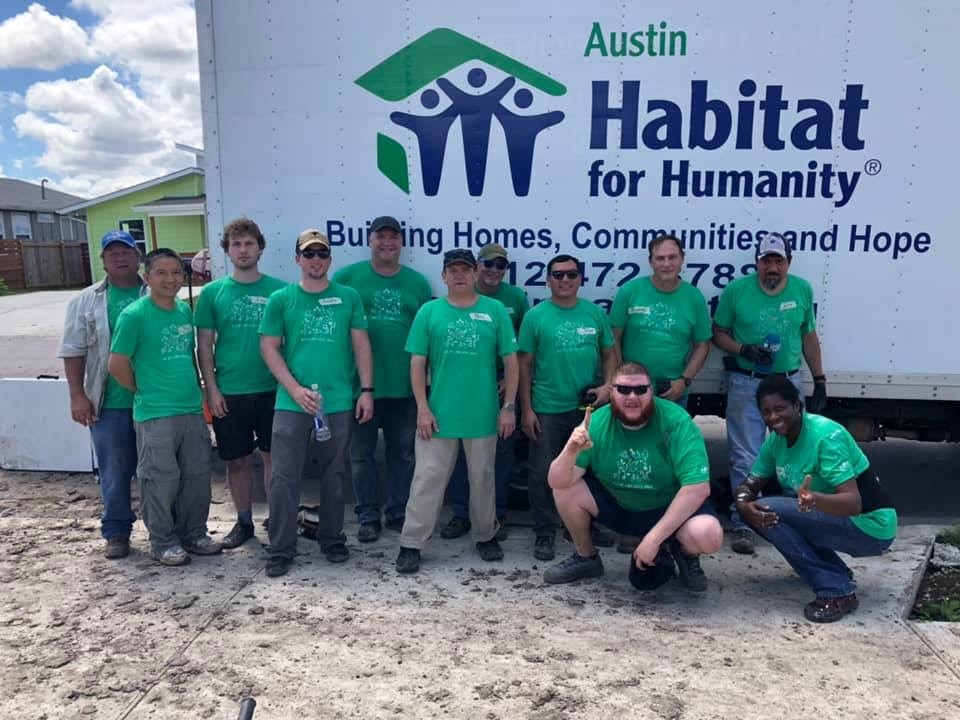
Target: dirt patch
(938,598)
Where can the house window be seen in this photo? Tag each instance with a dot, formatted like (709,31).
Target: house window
(135,228)
(21,226)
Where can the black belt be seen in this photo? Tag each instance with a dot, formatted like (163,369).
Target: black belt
(755,374)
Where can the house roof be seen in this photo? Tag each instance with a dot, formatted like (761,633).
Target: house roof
(23,195)
(130,190)
(175,205)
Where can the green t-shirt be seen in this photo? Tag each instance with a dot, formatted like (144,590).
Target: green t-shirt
(659,327)
(566,345)
(645,468)
(160,345)
(391,304)
(829,454)
(461,346)
(115,395)
(234,309)
(515,300)
(317,343)
(750,314)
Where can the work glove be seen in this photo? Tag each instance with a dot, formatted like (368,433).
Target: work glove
(818,402)
(756,354)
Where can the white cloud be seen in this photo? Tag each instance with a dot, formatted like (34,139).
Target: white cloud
(37,40)
(18,165)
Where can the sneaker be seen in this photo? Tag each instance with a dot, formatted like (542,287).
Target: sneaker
(238,535)
(395,524)
(502,532)
(368,532)
(266,523)
(336,553)
(743,542)
(116,548)
(600,538)
(830,609)
(171,557)
(408,561)
(490,551)
(573,568)
(203,545)
(688,567)
(277,566)
(457,527)
(627,544)
(543,547)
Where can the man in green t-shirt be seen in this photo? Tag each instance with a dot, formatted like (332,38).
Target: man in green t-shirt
(567,356)
(97,401)
(492,262)
(820,497)
(152,356)
(391,294)
(314,340)
(663,322)
(766,322)
(459,336)
(240,390)
(638,466)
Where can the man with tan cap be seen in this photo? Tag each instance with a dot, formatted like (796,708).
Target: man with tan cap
(492,266)
(322,330)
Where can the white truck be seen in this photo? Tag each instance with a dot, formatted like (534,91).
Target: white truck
(590,128)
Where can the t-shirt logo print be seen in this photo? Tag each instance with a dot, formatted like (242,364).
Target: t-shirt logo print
(387,305)
(245,313)
(318,323)
(567,338)
(176,341)
(462,337)
(634,469)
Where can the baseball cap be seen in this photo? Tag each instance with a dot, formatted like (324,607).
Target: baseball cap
(773,244)
(118,236)
(385,222)
(460,255)
(491,251)
(312,237)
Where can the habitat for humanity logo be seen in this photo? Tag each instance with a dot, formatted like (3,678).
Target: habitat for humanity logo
(424,63)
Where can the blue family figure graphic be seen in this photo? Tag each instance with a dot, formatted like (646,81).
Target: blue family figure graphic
(520,133)
(431,132)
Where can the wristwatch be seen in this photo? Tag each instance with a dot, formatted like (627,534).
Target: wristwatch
(686,381)
(509,407)
(366,389)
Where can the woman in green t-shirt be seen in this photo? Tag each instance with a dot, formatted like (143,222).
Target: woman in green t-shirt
(820,497)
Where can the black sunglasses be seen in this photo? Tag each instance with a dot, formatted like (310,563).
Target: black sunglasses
(631,389)
(311,254)
(560,274)
(498,263)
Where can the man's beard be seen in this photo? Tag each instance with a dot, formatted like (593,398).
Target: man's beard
(770,282)
(628,422)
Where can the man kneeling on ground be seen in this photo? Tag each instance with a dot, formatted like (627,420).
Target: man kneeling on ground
(638,466)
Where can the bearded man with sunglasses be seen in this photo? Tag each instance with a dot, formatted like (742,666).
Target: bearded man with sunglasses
(313,337)
(566,352)
(638,466)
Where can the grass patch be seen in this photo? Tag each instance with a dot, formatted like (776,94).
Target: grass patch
(950,536)
(3,287)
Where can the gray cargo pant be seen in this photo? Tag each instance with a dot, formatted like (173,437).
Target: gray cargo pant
(291,446)
(173,464)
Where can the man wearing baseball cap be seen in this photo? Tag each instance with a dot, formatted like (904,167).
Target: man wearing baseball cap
(313,337)
(765,322)
(392,294)
(97,400)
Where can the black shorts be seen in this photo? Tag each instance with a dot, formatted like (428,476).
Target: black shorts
(248,424)
(629,522)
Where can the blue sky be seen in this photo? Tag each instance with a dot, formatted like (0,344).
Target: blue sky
(94,93)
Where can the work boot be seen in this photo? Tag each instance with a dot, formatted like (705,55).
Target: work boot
(490,551)
(627,544)
(573,568)
(688,567)
(116,548)
(336,553)
(395,524)
(743,542)
(277,566)
(368,532)
(203,545)
(408,561)
(830,609)
(543,547)
(457,527)
(238,535)
(171,557)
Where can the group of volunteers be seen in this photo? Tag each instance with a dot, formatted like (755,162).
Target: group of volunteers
(310,372)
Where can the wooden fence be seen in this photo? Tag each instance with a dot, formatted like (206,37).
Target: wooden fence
(26,265)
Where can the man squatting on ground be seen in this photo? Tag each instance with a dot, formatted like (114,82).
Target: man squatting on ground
(240,390)
(460,337)
(97,401)
(322,330)
(391,294)
(152,355)
(638,466)
(820,496)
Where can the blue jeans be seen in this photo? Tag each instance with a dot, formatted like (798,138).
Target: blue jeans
(115,443)
(398,418)
(502,469)
(745,430)
(809,541)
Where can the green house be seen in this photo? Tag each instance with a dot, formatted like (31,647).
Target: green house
(165,212)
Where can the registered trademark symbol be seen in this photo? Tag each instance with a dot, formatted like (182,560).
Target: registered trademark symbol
(872,167)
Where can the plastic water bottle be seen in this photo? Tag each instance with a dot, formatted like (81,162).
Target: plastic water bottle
(321,431)
(771,344)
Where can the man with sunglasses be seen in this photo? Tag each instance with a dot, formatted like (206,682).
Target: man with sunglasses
(460,337)
(314,335)
(638,466)
(492,267)
(391,295)
(566,353)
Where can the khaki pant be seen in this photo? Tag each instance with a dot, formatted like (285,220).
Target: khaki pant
(435,459)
